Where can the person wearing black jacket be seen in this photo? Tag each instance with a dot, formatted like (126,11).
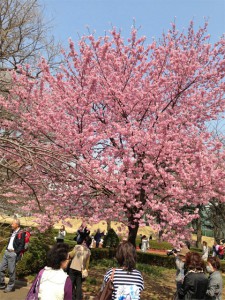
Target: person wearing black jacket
(195,281)
(11,256)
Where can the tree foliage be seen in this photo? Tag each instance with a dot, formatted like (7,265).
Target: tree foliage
(120,131)
(24,38)
(111,239)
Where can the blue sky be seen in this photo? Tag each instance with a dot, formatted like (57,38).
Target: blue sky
(70,18)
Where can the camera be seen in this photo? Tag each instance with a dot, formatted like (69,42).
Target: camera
(171,252)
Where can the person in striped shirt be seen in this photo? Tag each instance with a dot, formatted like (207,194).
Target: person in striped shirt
(128,282)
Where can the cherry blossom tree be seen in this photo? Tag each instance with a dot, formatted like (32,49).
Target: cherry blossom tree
(120,131)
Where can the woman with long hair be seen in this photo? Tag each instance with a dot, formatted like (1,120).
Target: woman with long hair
(128,282)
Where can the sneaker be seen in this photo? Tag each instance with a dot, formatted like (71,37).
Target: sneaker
(2,286)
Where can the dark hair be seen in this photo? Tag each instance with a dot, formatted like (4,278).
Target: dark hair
(188,244)
(194,261)
(215,262)
(87,239)
(56,255)
(126,255)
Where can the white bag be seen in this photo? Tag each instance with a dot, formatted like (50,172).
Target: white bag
(84,273)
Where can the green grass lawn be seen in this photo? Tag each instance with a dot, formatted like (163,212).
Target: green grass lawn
(159,281)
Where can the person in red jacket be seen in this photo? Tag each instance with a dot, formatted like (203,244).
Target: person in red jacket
(221,250)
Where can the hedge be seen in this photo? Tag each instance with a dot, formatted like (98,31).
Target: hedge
(156,245)
(142,257)
(146,258)
(35,258)
(101,253)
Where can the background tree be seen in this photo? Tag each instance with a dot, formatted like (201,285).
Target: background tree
(24,35)
(214,218)
(120,132)
(24,38)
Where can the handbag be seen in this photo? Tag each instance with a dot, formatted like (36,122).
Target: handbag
(175,296)
(33,292)
(107,291)
(84,272)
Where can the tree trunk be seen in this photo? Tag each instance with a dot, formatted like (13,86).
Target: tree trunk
(108,225)
(199,232)
(133,224)
(160,235)
(133,233)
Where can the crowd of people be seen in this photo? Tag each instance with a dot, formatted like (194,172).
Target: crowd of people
(63,276)
(192,280)
(65,271)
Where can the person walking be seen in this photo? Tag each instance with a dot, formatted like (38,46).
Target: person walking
(144,243)
(12,253)
(55,284)
(80,261)
(127,280)
(215,285)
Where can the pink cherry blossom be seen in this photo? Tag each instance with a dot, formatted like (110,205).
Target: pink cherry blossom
(120,132)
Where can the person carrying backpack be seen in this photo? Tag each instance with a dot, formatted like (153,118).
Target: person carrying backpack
(12,254)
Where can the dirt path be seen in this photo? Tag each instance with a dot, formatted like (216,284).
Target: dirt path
(160,288)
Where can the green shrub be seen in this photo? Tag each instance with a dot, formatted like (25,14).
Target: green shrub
(35,258)
(157,245)
(156,259)
(195,249)
(154,244)
(104,263)
(143,258)
(111,239)
(70,243)
(101,253)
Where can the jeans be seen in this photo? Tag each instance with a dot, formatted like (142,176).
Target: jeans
(9,261)
(76,279)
